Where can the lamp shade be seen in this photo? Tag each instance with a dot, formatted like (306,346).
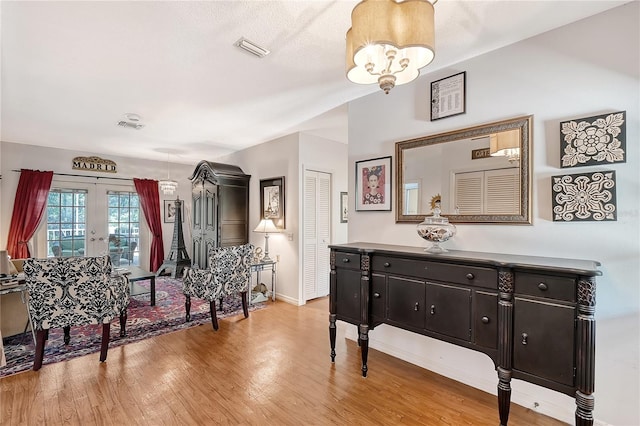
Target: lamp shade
(266,226)
(505,143)
(389,41)
(4,263)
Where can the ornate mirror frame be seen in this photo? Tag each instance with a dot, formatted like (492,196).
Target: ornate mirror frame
(523,123)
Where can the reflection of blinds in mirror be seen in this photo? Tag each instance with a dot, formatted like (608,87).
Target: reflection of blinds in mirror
(502,191)
(468,198)
(487,192)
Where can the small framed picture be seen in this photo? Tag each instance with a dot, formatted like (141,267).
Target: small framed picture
(170,211)
(344,207)
(272,201)
(373,184)
(448,96)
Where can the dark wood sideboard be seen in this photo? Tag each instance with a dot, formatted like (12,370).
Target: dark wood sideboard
(533,316)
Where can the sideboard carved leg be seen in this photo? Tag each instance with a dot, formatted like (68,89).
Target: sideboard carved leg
(585,370)
(332,336)
(584,412)
(505,342)
(363,338)
(504,395)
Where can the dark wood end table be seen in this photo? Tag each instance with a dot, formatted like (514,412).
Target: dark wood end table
(136,273)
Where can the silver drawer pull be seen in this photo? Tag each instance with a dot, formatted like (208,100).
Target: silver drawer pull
(470,276)
(416,307)
(387,264)
(543,287)
(433,309)
(345,260)
(376,295)
(485,320)
(525,337)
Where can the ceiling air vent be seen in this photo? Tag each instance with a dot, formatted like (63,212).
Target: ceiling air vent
(252,48)
(129,125)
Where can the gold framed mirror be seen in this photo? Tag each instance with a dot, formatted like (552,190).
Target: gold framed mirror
(479,174)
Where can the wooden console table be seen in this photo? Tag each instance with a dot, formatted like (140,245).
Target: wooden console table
(533,316)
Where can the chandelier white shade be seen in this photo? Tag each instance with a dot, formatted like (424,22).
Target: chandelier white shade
(389,41)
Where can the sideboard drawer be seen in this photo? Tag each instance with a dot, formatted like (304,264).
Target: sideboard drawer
(462,274)
(551,287)
(347,260)
(445,272)
(396,266)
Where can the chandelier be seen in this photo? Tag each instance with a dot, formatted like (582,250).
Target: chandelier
(168,186)
(389,41)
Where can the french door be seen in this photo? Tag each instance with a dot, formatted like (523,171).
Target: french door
(87,219)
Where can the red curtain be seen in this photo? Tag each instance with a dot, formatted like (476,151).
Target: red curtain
(147,190)
(28,208)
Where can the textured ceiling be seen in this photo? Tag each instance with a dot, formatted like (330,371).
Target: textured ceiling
(71,70)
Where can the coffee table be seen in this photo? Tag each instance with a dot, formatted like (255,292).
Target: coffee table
(138,274)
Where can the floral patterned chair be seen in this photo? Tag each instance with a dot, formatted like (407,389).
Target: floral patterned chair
(229,273)
(74,291)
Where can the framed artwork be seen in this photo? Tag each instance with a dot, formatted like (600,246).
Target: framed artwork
(344,207)
(448,96)
(373,184)
(584,197)
(170,211)
(594,140)
(272,200)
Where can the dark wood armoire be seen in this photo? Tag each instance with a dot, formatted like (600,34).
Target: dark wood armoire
(220,208)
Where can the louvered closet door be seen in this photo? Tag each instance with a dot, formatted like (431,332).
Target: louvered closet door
(317,217)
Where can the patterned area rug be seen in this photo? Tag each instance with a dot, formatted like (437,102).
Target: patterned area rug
(143,321)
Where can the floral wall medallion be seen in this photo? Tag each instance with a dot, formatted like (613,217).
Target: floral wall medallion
(593,140)
(584,197)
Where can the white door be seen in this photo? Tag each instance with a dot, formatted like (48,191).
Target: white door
(92,219)
(316,238)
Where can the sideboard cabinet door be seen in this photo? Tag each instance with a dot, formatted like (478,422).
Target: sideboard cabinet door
(406,299)
(544,339)
(449,310)
(348,291)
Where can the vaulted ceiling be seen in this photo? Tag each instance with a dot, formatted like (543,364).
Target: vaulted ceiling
(71,70)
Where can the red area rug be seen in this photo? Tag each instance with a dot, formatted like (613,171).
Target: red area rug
(143,321)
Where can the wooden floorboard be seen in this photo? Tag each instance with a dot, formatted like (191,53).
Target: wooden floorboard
(270,369)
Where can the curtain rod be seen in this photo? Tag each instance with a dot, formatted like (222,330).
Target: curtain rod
(87,176)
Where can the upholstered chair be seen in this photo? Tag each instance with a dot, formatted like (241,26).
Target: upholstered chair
(228,274)
(74,291)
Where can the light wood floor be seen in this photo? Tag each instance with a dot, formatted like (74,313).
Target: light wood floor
(270,369)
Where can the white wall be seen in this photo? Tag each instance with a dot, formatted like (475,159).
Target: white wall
(328,156)
(584,69)
(288,156)
(18,156)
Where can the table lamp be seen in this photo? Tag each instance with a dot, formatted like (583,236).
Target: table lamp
(266,227)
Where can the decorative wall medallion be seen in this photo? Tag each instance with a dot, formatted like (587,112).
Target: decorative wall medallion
(594,140)
(584,197)
(94,164)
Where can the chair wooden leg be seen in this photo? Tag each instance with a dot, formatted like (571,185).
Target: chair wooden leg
(41,337)
(220,304)
(67,334)
(187,307)
(123,323)
(245,306)
(106,331)
(214,317)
